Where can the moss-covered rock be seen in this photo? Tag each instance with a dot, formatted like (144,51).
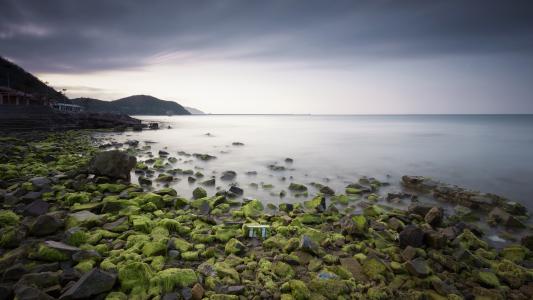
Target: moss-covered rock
(133,275)
(234,246)
(8,218)
(165,281)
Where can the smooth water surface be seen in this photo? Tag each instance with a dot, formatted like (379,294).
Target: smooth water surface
(490,153)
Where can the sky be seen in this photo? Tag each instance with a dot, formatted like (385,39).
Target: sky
(282,56)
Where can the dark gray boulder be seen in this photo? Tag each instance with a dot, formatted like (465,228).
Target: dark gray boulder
(31,293)
(114,164)
(36,208)
(411,235)
(46,225)
(418,267)
(92,283)
(41,183)
(236,190)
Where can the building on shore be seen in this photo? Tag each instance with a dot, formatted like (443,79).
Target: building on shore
(65,107)
(9,96)
(12,97)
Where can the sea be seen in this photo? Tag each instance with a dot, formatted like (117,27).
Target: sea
(487,153)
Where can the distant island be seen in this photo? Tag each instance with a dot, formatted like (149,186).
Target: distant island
(133,105)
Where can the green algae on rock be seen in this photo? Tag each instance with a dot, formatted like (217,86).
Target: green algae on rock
(347,246)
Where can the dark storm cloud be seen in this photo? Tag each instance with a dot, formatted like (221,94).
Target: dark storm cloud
(82,36)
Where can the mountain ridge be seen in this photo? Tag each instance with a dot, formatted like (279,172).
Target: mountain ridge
(133,105)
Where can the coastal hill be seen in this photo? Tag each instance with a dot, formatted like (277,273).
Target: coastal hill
(17,78)
(133,105)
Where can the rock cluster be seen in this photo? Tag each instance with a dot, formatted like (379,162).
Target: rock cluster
(71,235)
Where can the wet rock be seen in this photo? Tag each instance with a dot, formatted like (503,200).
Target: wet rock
(11,237)
(31,196)
(14,273)
(289,160)
(418,183)
(199,193)
(82,218)
(295,187)
(209,182)
(61,247)
(237,144)
(6,291)
(90,284)
(117,224)
(236,190)
(354,225)
(418,267)
(236,289)
(488,278)
(191,179)
(86,255)
(286,207)
(46,225)
(434,239)
(234,246)
(204,157)
(164,178)
(318,203)
(411,235)
(527,241)
(163,153)
(41,183)
(36,208)
(204,208)
(354,267)
(113,164)
(144,181)
(308,245)
(326,190)
(41,280)
(499,216)
(276,168)
(197,292)
(434,216)
(31,293)
(228,175)
(395,224)
(408,253)
(419,209)
(132,143)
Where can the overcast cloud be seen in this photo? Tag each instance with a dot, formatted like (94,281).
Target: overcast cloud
(61,37)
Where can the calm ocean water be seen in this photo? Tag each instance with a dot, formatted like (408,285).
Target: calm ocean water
(490,153)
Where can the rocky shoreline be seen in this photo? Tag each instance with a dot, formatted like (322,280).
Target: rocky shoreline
(73,226)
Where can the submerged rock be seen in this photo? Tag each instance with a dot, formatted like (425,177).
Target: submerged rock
(228,175)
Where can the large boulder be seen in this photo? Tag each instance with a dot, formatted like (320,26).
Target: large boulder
(412,236)
(114,164)
(45,225)
(90,285)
